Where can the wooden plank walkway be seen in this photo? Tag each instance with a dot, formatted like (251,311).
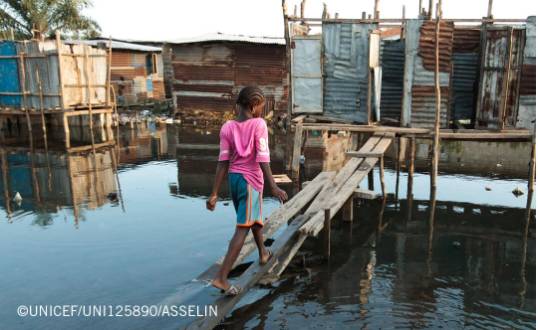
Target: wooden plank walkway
(328,192)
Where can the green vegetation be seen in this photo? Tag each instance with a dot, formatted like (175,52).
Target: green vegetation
(23,19)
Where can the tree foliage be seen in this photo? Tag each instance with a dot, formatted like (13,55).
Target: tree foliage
(24,17)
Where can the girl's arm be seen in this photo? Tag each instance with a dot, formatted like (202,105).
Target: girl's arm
(222,169)
(277,192)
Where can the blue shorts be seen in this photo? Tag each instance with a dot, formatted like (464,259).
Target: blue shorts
(247,201)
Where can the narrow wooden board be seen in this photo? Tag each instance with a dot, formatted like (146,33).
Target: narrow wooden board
(297,144)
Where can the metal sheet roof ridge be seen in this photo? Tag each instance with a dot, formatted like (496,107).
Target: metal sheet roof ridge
(117,45)
(230,37)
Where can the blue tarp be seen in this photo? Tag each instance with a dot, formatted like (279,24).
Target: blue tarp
(9,75)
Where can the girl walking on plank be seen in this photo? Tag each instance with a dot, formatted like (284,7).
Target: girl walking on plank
(244,155)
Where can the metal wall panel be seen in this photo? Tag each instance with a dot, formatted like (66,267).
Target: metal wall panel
(526,117)
(502,59)
(9,75)
(346,50)
(208,76)
(392,62)
(465,73)
(307,95)
(419,104)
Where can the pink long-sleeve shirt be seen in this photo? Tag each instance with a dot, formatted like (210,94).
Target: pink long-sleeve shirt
(245,144)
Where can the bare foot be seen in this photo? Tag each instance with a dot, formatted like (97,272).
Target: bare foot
(219,284)
(264,258)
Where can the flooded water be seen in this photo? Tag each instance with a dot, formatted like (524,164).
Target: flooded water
(129,227)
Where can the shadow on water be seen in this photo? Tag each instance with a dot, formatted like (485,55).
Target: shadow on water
(126,225)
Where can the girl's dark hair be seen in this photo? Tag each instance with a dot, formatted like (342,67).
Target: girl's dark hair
(250,96)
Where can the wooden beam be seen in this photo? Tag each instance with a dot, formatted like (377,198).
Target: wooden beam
(365,194)
(347,209)
(297,146)
(327,228)
(368,154)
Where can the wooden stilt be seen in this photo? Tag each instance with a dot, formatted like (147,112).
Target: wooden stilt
(410,174)
(5,179)
(44,129)
(347,210)
(435,146)
(297,144)
(327,229)
(369,98)
(525,235)
(382,175)
(397,162)
(89,91)
(67,133)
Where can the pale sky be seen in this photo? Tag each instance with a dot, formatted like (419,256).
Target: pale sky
(175,19)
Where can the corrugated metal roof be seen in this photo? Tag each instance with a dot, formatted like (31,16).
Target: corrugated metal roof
(230,37)
(119,45)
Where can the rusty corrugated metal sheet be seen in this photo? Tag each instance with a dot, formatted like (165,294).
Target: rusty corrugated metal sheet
(465,71)
(392,62)
(346,65)
(498,97)
(208,76)
(526,117)
(419,93)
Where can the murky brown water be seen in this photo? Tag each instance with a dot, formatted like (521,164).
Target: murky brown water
(131,229)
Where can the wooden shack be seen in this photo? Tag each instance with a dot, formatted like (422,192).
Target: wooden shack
(136,71)
(209,71)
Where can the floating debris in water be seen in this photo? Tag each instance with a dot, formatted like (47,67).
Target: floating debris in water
(17,199)
(226,203)
(456,244)
(113,196)
(488,188)
(517,191)
(499,165)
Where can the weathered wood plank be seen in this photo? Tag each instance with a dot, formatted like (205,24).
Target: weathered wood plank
(250,277)
(365,194)
(370,154)
(279,217)
(297,145)
(337,198)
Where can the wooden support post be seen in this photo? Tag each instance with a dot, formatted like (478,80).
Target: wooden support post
(371,180)
(419,8)
(430,10)
(89,91)
(369,98)
(44,128)
(297,146)
(327,228)
(410,174)
(60,70)
(490,9)
(376,9)
(66,131)
(109,72)
(532,167)
(347,209)
(397,163)
(435,146)
(382,175)
(5,180)
(288,60)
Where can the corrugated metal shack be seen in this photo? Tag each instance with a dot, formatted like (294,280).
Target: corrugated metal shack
(209,72)
(487,72)
(136,71)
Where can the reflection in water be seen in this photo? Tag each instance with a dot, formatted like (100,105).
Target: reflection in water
(410,263)
(460,270)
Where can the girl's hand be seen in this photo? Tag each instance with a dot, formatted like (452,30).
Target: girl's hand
(279,193)
(211,202)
